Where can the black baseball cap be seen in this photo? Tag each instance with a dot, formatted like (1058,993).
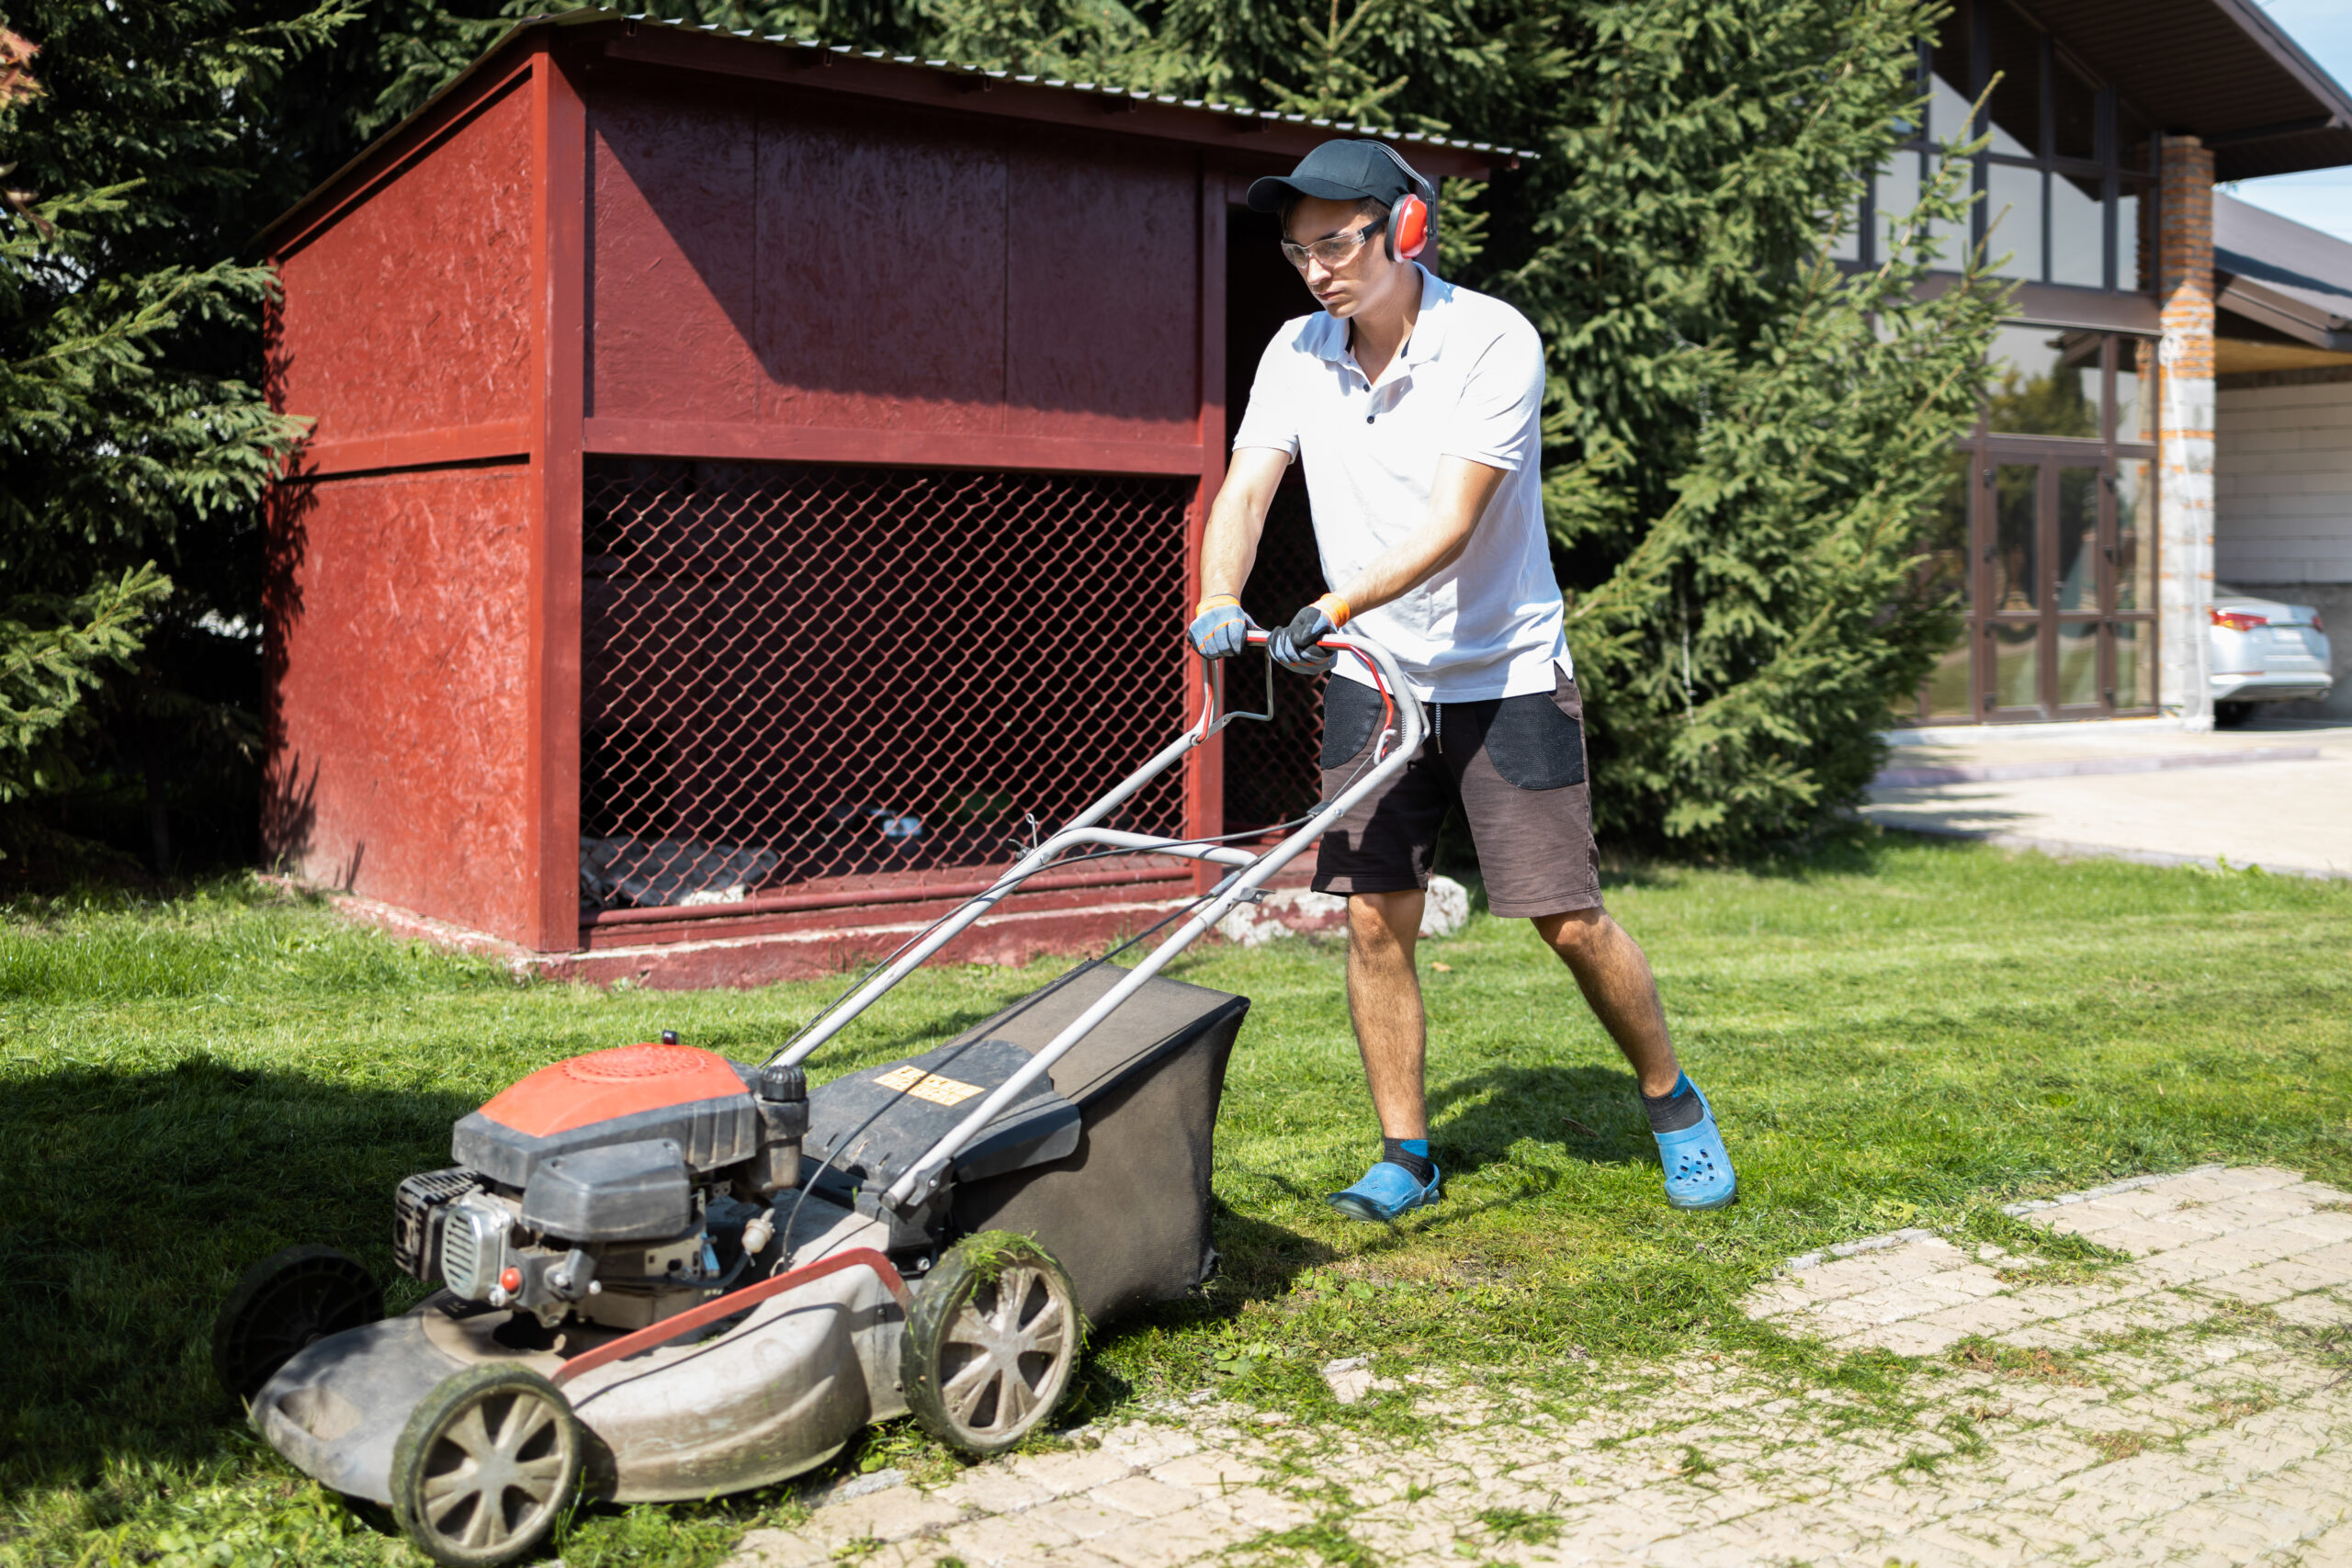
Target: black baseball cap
(1337,171)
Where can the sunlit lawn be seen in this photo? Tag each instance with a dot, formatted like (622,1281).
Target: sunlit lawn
(1894,1034)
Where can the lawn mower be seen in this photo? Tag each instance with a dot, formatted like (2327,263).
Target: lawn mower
(665,1275)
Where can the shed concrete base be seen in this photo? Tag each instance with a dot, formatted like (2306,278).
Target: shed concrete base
(687,961)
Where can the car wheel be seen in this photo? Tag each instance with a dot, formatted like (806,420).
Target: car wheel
(486,1466)
(991,1342)
(2232,716)
(284,1302)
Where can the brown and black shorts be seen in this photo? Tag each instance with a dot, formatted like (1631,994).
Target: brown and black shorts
(1517,766)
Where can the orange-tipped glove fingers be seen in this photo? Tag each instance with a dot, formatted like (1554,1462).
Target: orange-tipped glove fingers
(1294,647)
(1221,626)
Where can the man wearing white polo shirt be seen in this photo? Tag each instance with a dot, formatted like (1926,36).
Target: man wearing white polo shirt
(1416,406)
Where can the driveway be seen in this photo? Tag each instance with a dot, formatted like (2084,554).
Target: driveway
(2277,794)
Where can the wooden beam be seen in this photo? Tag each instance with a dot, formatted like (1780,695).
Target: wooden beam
(739,442)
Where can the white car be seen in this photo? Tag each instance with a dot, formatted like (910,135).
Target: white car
(2263,652)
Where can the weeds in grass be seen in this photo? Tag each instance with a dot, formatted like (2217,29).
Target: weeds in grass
(1326,1537)
(2230,1412)
(2117,1447)
(1978,1354)
(1520,1525)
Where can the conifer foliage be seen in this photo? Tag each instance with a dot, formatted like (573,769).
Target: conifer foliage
(1741,438)
(133,443)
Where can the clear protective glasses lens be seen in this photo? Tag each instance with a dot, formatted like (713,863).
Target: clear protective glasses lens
(1332,252)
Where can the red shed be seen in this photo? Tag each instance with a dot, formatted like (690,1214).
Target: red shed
(750,479)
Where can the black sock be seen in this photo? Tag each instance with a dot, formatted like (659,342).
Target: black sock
(1413,1154)
(1674,1111)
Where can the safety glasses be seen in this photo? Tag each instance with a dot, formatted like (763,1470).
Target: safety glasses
(1334,252)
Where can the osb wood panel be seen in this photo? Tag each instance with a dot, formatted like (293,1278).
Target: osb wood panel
(410,311)
(398,644)
(835,267)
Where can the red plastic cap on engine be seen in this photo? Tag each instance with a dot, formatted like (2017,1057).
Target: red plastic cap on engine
(581,1091)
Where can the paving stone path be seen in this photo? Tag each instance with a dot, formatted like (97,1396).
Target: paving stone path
(2191,1406)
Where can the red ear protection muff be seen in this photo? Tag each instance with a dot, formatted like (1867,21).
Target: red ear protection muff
(1408,226)
(1408,220)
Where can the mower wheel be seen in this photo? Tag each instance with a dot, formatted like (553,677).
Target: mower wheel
(486,1466)
(991,1343)
(284,1302)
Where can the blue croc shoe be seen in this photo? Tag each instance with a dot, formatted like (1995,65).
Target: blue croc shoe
(1698,1167)
(1387,1194)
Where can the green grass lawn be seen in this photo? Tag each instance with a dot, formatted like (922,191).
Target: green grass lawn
(1895,1034)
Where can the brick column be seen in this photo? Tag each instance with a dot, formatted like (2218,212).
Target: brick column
(2184,435)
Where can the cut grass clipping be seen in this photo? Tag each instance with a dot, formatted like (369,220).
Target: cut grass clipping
(1894,1034)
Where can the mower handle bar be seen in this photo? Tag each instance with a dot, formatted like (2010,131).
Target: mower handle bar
(1250,872)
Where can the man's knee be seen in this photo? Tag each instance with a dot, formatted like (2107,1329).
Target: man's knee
(1382,922)
(1577,932)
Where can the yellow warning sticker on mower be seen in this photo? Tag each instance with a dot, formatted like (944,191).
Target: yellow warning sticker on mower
(929,1085)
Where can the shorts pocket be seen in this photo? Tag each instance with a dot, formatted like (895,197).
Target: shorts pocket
(1351,714)
(1533,745)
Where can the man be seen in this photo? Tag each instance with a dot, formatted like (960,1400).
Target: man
(1416,407)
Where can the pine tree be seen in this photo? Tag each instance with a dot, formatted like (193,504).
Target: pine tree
(1741,442)
(133,445)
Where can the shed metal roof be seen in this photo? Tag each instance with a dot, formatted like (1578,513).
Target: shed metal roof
(1144,95)
(644,39)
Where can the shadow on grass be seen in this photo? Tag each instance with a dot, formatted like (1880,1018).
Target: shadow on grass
(1591,1113)
(1853,848)
(134,1201)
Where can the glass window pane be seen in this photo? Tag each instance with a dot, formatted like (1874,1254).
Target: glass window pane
(1845,239)
(2134,237)
(2077,663)
(2135,388)
(2044,382)
(1952,238)
(2074,111)
(1943,541)
(2016,103)
(2136,664)
(2135,539)
(2017,664)
(2013,221)
(2078,538)
(1943,574)
(1896,196)
(1947,682)
(2016,584)
(2077,230)
(1948,93)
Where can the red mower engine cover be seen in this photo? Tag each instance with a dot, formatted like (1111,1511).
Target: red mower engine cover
(697,1100)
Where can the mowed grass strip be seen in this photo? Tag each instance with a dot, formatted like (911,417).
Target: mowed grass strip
(1894,1034)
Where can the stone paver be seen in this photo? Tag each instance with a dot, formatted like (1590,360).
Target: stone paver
(2198,1412)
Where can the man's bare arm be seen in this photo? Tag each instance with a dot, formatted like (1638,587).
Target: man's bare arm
(1238,518)
(1458,499)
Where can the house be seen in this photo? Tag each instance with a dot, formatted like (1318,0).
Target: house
(2080,515)
(2282,425)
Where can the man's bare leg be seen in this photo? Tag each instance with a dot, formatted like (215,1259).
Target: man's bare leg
(1385,1005)
(1614,976)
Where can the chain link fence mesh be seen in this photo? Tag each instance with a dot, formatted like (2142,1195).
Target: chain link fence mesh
(805,676)
(1271,770)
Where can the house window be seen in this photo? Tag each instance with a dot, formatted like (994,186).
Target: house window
(2046,527)
(2066,181)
